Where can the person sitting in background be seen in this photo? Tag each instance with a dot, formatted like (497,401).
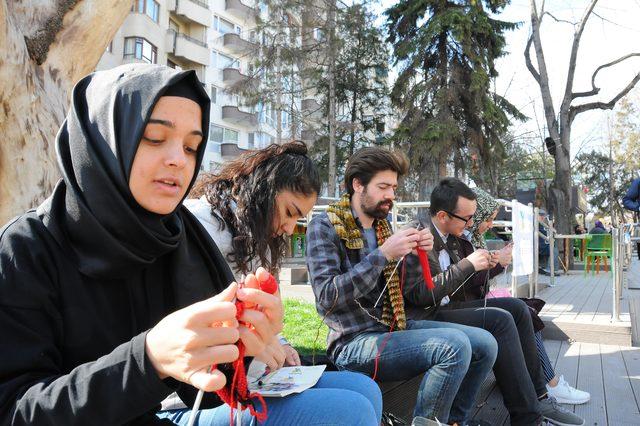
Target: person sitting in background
(598,228)
(579,229)
(631,201)
(361,291)
(486,212)
(517,368)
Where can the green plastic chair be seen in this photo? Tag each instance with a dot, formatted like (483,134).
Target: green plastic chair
(598,247)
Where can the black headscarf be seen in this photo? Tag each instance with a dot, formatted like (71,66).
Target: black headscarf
(92,212)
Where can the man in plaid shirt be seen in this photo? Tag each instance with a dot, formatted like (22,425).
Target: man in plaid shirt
(349,284)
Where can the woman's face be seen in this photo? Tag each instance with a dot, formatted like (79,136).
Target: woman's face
(289,208)
(487,224)
(166,158)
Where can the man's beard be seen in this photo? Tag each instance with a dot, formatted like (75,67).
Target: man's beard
(377,211)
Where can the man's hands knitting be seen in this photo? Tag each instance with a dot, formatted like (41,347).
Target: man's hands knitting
(400,243)
(480,259)
(185,343)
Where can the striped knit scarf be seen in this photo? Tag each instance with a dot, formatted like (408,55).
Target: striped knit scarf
(345,225)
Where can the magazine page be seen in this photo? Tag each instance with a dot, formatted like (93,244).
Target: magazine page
(282,382)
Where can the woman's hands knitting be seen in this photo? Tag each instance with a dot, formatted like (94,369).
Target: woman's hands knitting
(262,316)
(185,343)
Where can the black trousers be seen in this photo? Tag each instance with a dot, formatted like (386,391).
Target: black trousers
(517,367)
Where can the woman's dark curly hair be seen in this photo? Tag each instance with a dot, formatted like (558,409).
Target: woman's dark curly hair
(252,182)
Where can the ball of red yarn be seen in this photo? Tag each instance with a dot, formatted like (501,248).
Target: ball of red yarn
(270,285)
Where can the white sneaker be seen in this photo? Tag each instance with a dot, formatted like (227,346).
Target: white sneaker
(565,394)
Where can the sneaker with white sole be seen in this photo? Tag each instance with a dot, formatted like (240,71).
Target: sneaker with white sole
(557,415)
(565,394)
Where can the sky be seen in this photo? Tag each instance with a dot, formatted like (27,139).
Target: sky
(611,32)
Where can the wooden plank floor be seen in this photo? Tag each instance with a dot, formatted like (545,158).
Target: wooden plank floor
(579,308)
(610,373)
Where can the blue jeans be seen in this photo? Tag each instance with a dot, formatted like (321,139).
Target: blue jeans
(338,399)
(455,364)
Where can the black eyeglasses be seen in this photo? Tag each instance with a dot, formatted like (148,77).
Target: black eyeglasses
(459,217)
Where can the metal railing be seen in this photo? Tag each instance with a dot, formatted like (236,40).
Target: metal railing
(621,246)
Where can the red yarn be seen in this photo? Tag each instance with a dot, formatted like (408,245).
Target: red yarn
(238,390)
(270,286)
(426,270)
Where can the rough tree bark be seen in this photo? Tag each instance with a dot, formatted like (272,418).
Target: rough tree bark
(559,125)
(45,47)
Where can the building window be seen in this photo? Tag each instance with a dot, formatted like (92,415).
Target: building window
(139,48)
(221,61)
(213,94)
(250,142)
(173,25)
(230,136)
(223,26)
(151,8)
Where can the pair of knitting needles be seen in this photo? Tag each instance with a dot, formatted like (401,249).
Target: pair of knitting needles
(198,401)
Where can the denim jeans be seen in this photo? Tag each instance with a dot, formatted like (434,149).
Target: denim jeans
(338,399)
(455,369)
(517,368)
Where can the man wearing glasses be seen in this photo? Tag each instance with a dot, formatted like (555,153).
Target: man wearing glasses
(517,367)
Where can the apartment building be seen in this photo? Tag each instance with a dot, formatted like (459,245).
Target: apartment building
(217,39)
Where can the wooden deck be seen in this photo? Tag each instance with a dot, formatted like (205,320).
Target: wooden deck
(579,308)
(610,373)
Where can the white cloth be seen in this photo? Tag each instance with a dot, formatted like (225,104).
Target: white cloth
(444,260)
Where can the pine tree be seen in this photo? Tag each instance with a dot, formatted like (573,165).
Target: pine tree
(446,51)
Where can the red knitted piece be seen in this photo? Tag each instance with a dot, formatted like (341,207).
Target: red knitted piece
(238,390)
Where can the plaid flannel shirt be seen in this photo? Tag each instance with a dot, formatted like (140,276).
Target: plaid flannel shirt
(346,283)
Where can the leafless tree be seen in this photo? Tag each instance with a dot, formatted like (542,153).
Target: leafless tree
(559,124)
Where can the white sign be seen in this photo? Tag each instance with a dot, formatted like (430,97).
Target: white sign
(522,219)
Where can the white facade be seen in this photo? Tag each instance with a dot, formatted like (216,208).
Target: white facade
(217,39)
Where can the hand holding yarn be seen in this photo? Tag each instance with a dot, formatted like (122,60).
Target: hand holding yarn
(261,318)
(183,344)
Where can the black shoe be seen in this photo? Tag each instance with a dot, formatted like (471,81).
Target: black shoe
(543,271)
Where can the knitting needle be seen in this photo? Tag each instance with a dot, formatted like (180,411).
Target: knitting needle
(388,281)
(198,401)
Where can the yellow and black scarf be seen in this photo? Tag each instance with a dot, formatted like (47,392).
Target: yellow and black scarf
(344,223)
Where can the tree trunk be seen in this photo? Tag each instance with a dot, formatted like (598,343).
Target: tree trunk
(331,187)
(45,47)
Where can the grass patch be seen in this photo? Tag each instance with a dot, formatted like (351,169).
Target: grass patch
(301,323)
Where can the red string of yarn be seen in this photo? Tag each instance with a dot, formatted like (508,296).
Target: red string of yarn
(426,270)
(238,390)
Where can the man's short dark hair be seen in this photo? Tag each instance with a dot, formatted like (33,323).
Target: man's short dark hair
(445,195)
(366,162)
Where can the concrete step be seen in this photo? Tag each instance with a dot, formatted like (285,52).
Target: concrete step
(606,334)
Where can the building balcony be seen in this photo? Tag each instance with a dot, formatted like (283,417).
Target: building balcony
(240,10)
(237,44)
(230,150)
(309,135)
(193,10)
(233,77)
(311,108)
(187,48)
(234,115)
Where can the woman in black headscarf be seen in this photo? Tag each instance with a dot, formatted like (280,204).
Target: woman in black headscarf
(112,295)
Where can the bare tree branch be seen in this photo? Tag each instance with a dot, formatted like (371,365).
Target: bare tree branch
(595,90)
(575,110)
(568,91)
(559,20)
(527,58)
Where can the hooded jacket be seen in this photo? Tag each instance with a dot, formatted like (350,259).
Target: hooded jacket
(87,274)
